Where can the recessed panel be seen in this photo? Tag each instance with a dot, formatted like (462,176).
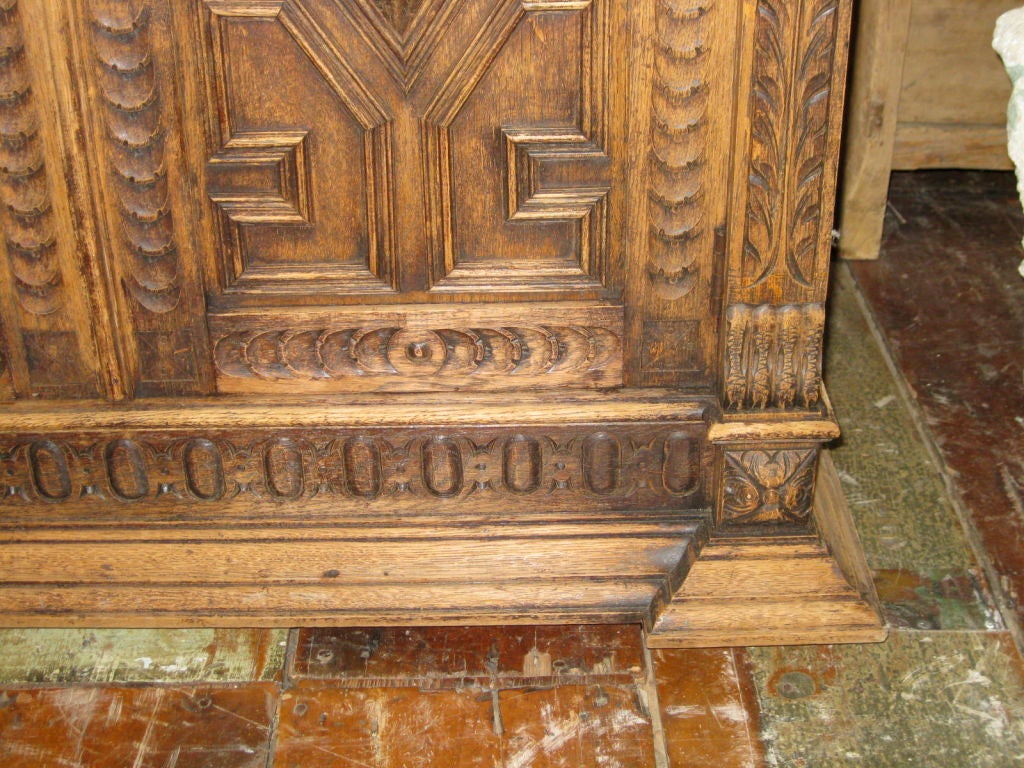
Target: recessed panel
(517,146)
(296,176)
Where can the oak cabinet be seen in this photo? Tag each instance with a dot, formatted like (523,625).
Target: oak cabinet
(431,311)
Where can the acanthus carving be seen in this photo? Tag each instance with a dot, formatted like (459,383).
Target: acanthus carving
(658,466)
(29,228)
(773,355)
(136,151)
(768,486)
(675,201)
(790,104)
(319,354)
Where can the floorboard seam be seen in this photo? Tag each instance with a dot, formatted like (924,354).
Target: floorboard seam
(1003,602)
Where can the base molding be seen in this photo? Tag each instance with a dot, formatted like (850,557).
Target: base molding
(259,514)
(801,590)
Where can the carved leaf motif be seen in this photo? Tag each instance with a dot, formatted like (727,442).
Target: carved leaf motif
(768,486)
(791,92)
(773,356)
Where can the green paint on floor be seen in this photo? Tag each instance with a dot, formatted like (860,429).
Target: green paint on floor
(922,699)
(926,574)
(140,655)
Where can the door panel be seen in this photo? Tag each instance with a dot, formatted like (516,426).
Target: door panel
(298,178)
(368,164)
(519,173)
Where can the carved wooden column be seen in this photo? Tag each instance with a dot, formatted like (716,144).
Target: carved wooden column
(774,413)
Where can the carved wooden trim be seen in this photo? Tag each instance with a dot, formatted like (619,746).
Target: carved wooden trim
(592,467)
(533,155)
(792,87)
(767,485)
(568,354)
(678,231)
(136,152)
(29,228)
(773,356)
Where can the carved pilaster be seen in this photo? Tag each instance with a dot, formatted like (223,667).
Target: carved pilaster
(6,379)
(45,356)
(796,93)
(679,230)
(149,266)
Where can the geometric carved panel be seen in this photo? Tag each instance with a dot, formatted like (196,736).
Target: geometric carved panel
(299,172)
(518,170)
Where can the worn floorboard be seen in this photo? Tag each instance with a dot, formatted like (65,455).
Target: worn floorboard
(148,727)
(708,708)
(948,299)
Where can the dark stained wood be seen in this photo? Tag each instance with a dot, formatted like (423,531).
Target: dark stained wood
(100,727)
(446,657)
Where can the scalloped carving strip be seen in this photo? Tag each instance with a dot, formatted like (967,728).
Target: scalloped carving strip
(320,354)
(29,229)
(676,161)
(135,151)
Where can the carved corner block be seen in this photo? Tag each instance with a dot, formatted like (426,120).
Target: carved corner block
(767,485)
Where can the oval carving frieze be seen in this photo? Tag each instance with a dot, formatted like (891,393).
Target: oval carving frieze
(602,461)
(442,467)
(681,471)
(50,474)
(522,464)
(204,469)
(363,471)
(282,464)
(126,470)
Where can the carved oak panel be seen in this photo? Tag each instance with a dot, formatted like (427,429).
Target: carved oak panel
(354,471)
(300,176)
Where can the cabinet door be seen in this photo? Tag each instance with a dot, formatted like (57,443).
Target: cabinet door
(440,175)
(300,196)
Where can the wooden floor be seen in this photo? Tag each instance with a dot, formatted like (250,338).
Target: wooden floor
(932,462)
